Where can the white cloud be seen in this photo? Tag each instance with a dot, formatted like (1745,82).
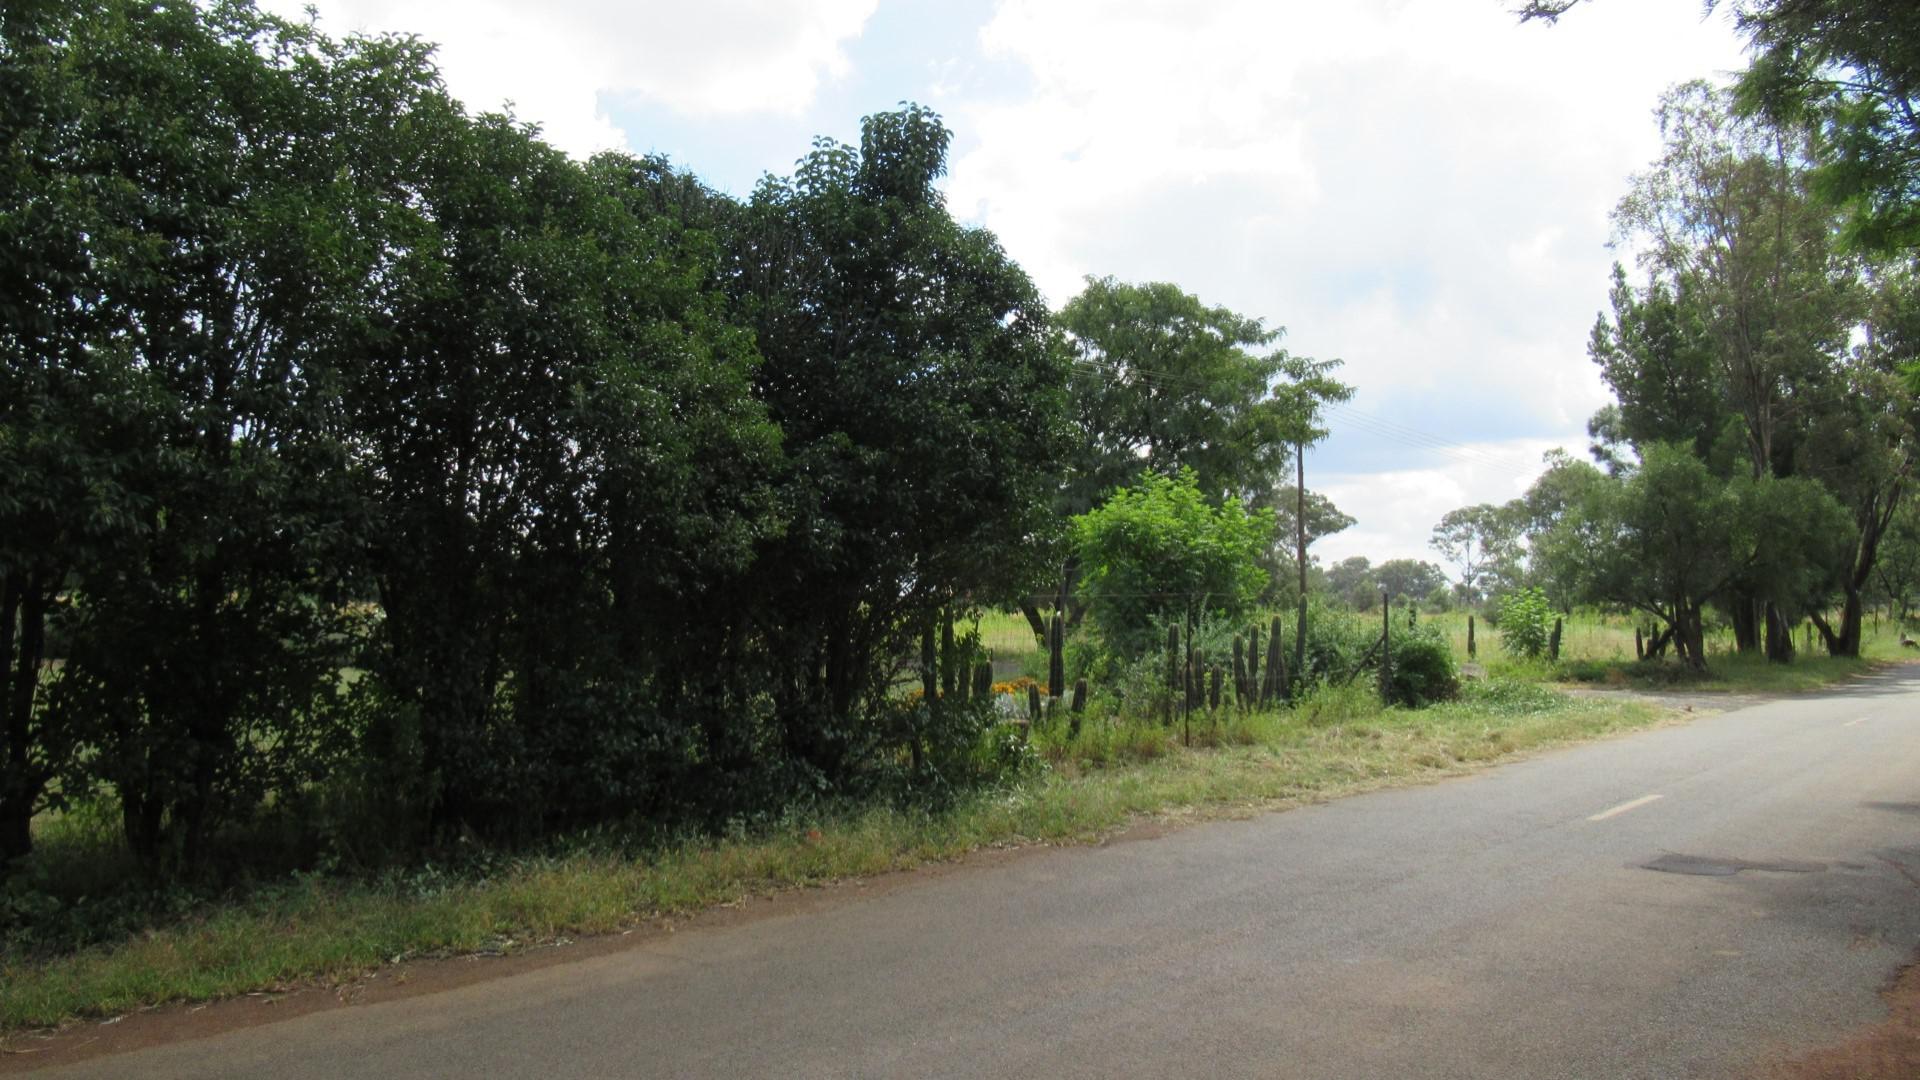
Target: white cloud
(1403,505)
(1420,189)
(559,62)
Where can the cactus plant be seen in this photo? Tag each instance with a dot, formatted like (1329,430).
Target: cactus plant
(1253,663)
(1239,670)
(1056,661)
(1275,684)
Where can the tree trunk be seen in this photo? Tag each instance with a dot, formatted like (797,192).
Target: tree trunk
(1744,615)
(1036,621)
(140,822)
(1827,635)
(1852,611)
(1689,636)
(1657,649)
(1779,636)
(23,603)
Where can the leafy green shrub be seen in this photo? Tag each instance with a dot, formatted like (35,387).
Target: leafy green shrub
(1423,671)
(1157,552)
(1009,755)
(1526,620)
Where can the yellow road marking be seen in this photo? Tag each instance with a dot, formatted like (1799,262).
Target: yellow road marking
(1626,806)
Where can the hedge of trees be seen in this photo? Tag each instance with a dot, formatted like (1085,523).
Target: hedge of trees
(374,471)
(364,459)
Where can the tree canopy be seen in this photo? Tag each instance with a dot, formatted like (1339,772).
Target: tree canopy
(1162,382)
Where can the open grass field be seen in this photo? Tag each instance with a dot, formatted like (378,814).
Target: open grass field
(1589,635)
(1597,648)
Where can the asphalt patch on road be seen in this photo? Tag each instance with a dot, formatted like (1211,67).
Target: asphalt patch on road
(1708,866)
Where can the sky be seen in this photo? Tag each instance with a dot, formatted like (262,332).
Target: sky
(1420,188)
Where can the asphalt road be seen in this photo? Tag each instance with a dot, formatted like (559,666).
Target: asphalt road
(1500,925)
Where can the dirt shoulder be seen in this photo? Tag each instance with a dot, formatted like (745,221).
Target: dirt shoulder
(1889,1050)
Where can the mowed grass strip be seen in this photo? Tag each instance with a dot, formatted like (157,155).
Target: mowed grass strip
(315,929)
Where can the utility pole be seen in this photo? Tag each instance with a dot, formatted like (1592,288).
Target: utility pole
(1300,534)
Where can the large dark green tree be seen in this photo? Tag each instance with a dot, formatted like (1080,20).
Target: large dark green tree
(70,403)
(1738,342)
(1670,537)
(919,386)
(191,166)
(1162,382)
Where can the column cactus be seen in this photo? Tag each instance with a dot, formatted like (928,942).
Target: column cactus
(1253,664)
(1239,671)
(1056,659)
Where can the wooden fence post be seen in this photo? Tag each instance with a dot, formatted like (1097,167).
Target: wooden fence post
(1386,650)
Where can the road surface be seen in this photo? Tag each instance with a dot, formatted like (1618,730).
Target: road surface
(1695,900)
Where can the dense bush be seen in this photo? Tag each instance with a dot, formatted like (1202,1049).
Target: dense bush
(1423,670)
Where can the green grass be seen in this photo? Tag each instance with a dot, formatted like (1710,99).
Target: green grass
(1334,744)
(1724,674)
(1005,634)
(1598,649)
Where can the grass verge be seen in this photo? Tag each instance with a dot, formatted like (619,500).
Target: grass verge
(315,928)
